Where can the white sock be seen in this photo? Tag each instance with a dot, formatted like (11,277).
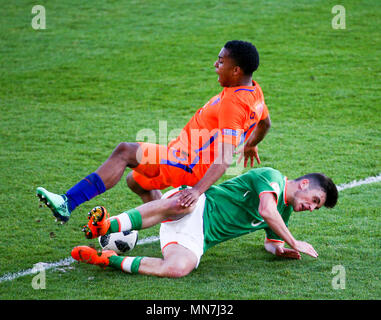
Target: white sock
(127,263)
(124,222)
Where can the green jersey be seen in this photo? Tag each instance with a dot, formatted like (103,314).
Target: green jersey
(231,208)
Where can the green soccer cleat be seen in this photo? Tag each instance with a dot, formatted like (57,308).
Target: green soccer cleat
(58,204)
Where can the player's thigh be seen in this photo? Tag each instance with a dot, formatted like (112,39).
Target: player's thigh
(187,231)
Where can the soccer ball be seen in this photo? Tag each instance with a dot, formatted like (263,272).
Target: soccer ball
(120,242)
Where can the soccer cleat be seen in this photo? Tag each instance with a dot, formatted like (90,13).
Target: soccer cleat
(58,204)
(98,224)
(90,255)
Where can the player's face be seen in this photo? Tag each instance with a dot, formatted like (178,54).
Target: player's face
(306,198)
(225,68)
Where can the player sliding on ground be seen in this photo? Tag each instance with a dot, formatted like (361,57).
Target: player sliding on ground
(201,153)
(259,199)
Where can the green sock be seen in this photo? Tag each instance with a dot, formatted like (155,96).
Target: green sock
(135,218)
(126,221)
(114,226)
(127,264)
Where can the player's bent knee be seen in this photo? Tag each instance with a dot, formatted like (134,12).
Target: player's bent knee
(122,148)
(127,151)
(178,261)
(174,207)
(177,270)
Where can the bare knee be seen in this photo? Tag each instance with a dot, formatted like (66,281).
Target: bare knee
(176,269)
(178,261)
(175,208)
(127,151)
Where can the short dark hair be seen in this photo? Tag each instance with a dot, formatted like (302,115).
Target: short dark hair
(326,184)
(244,54)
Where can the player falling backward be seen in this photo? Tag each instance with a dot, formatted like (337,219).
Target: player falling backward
(259,199)
(201,153)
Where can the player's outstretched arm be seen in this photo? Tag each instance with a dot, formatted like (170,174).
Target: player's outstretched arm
(269,212)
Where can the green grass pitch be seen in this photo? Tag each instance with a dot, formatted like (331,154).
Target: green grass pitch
(102,71)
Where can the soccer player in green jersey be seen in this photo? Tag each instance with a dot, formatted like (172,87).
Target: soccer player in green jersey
(259,199)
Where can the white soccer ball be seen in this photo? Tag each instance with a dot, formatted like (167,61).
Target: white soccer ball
(120,242)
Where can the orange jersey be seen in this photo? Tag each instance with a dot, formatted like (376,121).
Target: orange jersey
(228,117)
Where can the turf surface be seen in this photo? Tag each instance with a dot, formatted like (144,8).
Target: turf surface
(102,72)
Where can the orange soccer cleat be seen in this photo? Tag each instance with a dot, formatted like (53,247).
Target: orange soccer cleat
(90,255)
(98,224)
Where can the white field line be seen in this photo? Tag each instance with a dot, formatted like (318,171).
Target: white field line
(58,264)
(68,261)
(37,267)
(356,183)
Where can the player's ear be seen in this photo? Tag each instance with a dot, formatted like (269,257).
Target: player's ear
(304,184)
(236,70)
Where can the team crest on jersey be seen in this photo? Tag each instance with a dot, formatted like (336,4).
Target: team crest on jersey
(259,108)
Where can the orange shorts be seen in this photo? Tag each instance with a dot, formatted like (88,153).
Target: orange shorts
(162,166)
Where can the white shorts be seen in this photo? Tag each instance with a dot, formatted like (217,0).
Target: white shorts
(187,231)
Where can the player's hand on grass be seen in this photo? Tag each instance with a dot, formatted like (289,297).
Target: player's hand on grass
(280,251)
(188,197)
(248,153)
(306,248)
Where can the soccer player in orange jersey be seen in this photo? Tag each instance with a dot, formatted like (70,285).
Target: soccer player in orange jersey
(202,152)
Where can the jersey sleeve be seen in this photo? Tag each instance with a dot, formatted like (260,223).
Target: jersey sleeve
(231,120)
(265,112)
(265,184)
(269,182)
(272,236)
